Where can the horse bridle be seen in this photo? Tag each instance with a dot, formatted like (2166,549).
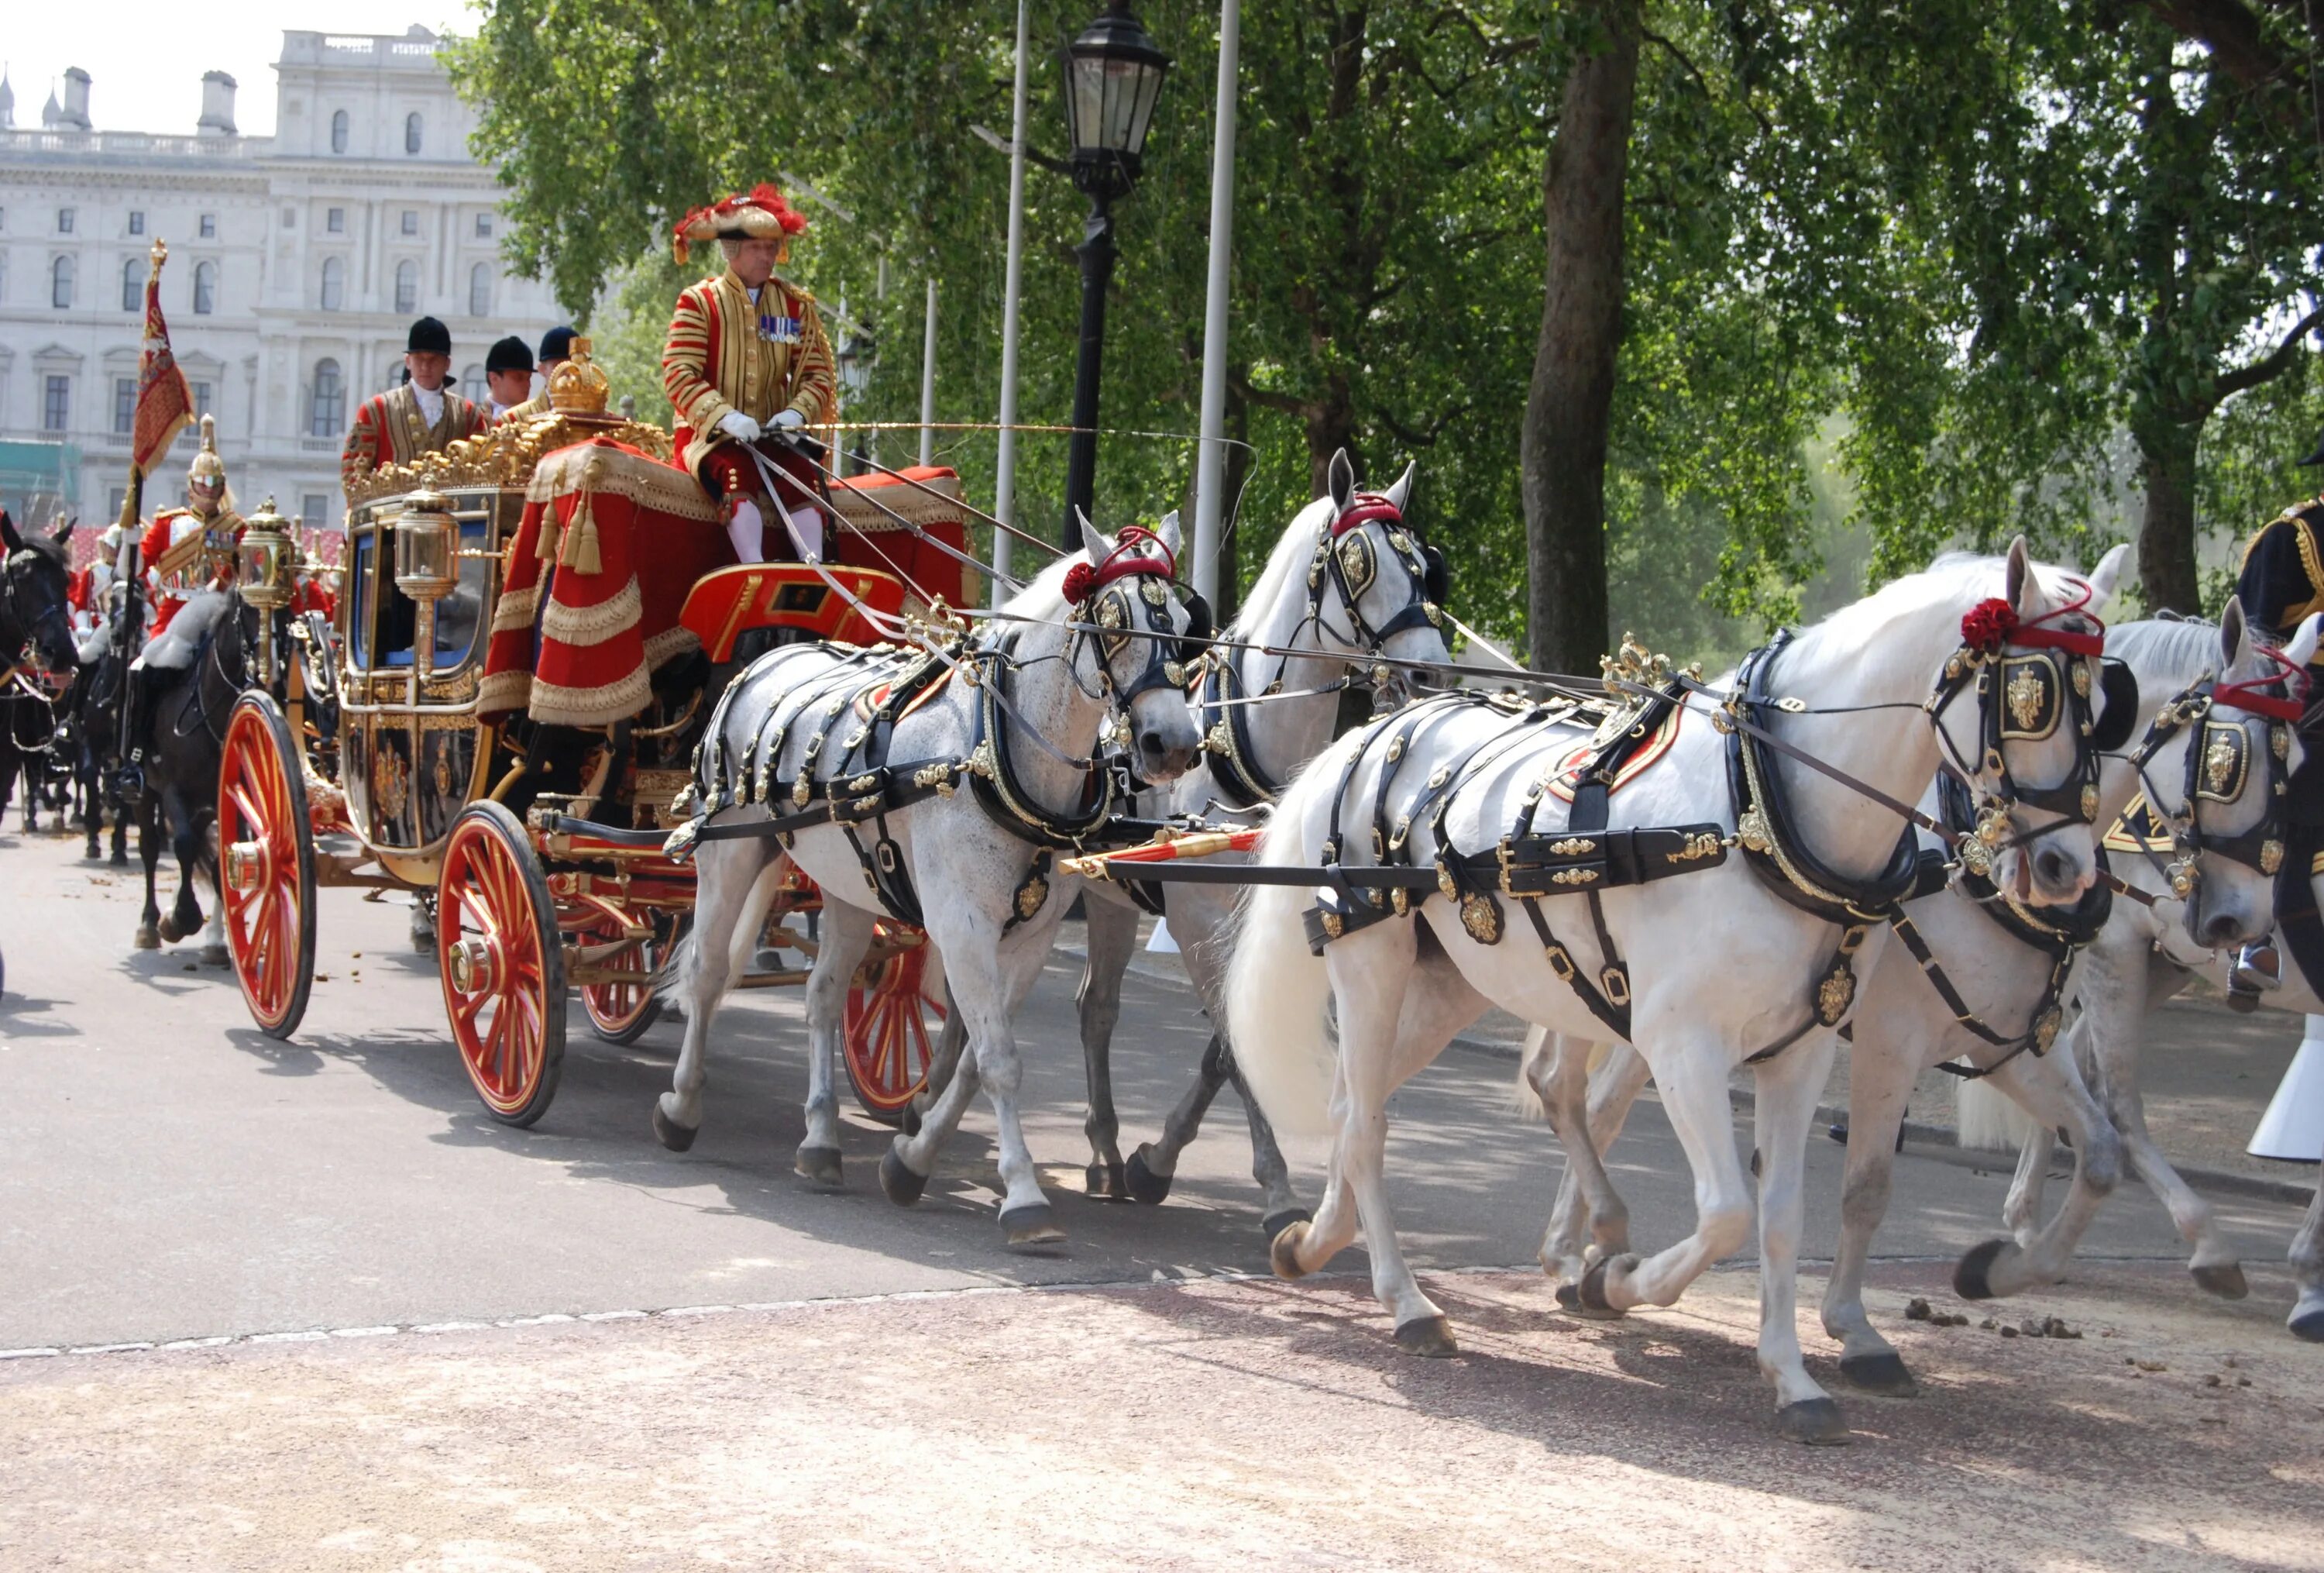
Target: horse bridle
(1106,611)
(1345,558)
(2026,698)
(11,586)
(2219,769)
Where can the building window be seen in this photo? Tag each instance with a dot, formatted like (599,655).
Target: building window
(474,388)
(411,221)
(56,404)
(290,218)
(339,131)
(136,222)
(64,221)
(209,226)
(204,288)
(479,289)
(411,133)
(335,220)
(133,285)
(315,510)
(484,226)
(201,392)
(124,405)
(335,283)
(61,283)
(326,412)
(407,285)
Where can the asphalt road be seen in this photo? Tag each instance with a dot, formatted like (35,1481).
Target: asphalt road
(167,1173)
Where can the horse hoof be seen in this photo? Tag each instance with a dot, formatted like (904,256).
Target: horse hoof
(818,1166)
(119,860)
(170,929)
(1430,1337)
(1105,1182)
(1568,1298)
(1590,1293)
(897,1180)
(216,956)
(148,936)
(678,1138)
(1883,1375)
(1145,1186)
(1973,1275)
(2224,1280)
(1817,1421)
(1283,1253)
(1274,1224)
(2307,1323)
(1029,1225)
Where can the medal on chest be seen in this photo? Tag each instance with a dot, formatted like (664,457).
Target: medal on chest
(778,329)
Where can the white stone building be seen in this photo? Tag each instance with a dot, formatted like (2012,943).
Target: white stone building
(297,264)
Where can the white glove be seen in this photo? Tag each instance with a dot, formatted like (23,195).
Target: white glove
(789,420)
(739,426)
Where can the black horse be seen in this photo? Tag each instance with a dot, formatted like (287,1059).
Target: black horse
(35,620)
(90,743)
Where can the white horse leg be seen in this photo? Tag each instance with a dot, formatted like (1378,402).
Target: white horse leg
(1782,1110)
(944,1062)
(1613,1087)
(213,950)
(1025,1216)
(1587,1201)
(1881,1073)
(2307,1318)
(1692,1077)
(734,884)
(1113,928)
(847,933)
(2021,1209)
(2052,1091)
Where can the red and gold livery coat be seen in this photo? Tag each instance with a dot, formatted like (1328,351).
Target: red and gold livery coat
(390,428)
(184,551)
(728,352)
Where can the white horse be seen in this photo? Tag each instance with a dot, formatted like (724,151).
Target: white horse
(2140,959)
(1347,583)
(2005,966)
(1722,968)
(947,812)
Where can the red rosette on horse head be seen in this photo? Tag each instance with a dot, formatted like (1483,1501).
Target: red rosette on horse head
(1993,622)
(1137,551)
(759,213)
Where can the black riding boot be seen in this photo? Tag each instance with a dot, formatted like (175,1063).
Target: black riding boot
(137,730)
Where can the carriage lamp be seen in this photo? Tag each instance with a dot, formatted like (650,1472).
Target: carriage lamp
(264,561)
(427,568)
(1113,74)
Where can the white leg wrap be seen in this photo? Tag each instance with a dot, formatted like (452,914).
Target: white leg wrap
(806,524)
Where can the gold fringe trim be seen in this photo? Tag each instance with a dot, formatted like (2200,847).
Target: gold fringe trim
(670,644)
(504,690)
(514,612)
(558,706)
(648,482)
(586,625)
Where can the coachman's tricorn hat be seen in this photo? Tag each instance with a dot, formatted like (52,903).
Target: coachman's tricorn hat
(428,336)
(759,213)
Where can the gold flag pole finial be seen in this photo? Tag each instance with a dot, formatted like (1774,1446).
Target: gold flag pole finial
(160,254)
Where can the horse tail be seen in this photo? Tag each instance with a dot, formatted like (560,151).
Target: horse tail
(1988,1119)
(1276,990)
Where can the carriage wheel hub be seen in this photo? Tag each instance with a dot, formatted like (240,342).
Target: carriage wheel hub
(246,866)
(476,967)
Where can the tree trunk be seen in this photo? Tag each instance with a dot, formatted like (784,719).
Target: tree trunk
(1569,405)
(2166,533)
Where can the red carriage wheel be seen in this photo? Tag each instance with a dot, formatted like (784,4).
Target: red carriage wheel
(619,1013)
(502,962)
(266,857)
(886,1037)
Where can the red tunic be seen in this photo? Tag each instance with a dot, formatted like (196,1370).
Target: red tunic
(389,429)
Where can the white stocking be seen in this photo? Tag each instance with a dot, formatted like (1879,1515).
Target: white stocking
(746,531)
(807,525)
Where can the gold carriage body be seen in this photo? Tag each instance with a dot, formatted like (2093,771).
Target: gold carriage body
(411,781)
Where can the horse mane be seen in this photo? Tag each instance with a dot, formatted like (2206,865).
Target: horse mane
(1292,552)
(48,546)
(2180,644)
(1044,599)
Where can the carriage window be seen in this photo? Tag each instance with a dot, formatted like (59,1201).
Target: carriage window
(360,553)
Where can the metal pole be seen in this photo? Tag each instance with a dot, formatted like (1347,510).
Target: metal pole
(928,381)
(1004,480)
(1097,253)
(1210,455)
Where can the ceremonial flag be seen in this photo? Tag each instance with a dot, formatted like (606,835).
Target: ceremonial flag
(164,405)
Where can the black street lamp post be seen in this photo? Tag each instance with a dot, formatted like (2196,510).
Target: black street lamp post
(1113,73)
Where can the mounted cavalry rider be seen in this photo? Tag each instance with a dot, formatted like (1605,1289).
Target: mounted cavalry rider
(748,367)
(421,416)
(2282,581)
(188,553)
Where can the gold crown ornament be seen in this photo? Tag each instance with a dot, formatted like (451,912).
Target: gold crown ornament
(579,386)
(207,468)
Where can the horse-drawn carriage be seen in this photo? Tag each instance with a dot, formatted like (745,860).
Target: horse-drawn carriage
(473,767)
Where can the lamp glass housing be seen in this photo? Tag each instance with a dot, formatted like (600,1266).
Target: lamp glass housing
(1113,74)
(427,564)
